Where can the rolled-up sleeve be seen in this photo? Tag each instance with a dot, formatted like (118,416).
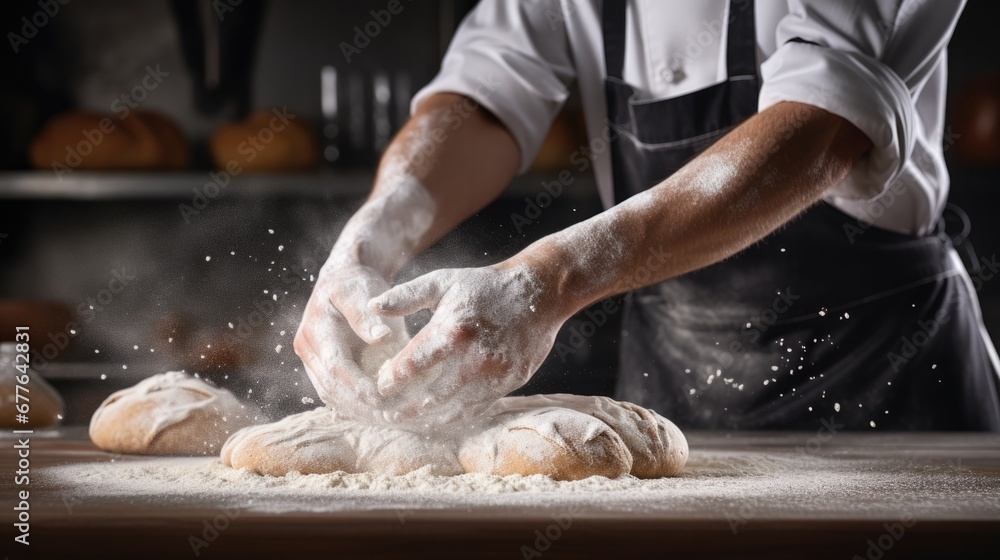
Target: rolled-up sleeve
(512,58)
(866,61)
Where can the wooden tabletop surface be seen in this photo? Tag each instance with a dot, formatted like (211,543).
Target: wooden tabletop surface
(852,495)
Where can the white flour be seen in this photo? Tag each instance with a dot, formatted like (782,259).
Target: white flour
(485,302)
(594,245)
(716,483)
(385,232)
(709,175)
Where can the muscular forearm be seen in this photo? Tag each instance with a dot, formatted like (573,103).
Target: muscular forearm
(449,161)
(745,186)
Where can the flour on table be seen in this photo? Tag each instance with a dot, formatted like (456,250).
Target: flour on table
(746,485)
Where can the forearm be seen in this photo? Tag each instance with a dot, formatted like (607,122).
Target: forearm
(450,160)
(745,186)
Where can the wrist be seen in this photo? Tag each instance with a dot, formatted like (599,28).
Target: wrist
(391,226)
(586,262)
(558,293)
(371,239)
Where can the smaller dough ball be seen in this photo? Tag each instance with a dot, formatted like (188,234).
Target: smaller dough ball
(557,442)
(658,447)
(293,146)
(170,414)
(316,442)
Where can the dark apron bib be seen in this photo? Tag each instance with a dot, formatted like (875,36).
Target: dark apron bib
(825,320)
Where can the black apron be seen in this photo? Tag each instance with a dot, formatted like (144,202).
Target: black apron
(825,324)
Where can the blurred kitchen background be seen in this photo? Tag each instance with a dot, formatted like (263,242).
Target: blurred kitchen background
(172,262)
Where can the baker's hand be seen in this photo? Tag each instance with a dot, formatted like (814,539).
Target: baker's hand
(492,327)
(336,326)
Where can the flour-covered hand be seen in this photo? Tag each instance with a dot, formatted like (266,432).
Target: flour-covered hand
(336,326)
(490,331)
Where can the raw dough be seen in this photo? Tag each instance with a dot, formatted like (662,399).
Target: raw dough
(657,446)
(315,442)
(170,414)
(559,442)
(567,437)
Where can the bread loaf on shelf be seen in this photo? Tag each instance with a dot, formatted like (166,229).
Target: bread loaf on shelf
(140,141)
(273,141)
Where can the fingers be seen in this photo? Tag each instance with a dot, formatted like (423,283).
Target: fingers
(324,344)
(417,360)
(350,296)
(423,292)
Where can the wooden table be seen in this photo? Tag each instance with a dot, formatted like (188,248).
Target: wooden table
(907,495)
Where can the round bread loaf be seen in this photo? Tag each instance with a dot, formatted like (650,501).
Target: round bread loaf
(266,142)
(141,141)
(170,414)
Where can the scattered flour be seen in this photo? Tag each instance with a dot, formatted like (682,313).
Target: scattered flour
(715,483)
(596,246)
(708,175)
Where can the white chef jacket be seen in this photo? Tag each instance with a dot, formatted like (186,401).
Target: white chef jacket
(880,64)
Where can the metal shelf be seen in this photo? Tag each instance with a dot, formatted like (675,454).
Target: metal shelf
(83,185)
(105,185)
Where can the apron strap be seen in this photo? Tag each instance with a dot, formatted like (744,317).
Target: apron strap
(613,26)
(741,40)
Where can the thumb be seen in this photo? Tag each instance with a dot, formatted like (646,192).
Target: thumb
(423,292)
(367,325)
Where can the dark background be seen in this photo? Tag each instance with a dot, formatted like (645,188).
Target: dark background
(65,241)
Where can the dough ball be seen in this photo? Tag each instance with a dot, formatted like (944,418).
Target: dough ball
(558,442)
(657,446)
(566,437)
(170,414)
(316,442)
